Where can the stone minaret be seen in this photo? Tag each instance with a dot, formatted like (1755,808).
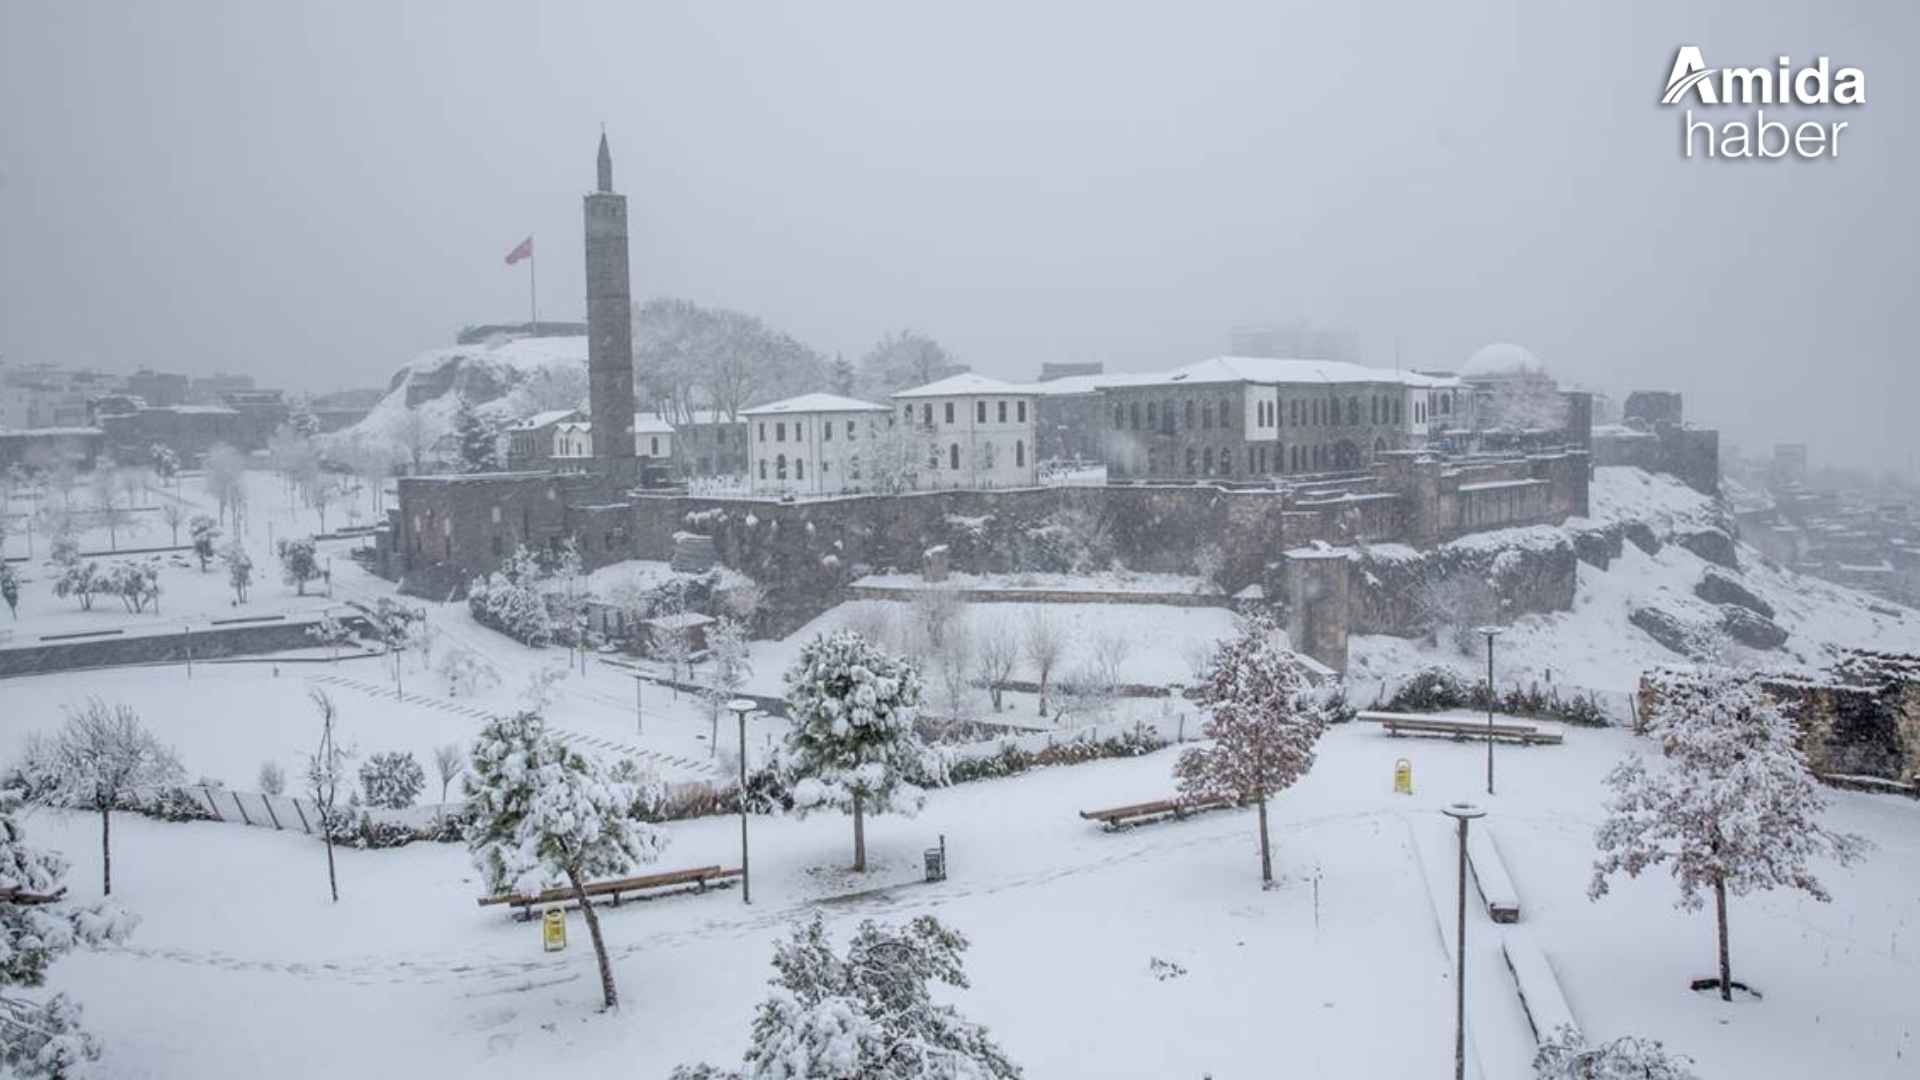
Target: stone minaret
(609,329)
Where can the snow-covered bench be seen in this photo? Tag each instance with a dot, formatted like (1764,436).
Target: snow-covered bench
(1459,727)
(1121,817)
(1490,876)
(697,877)
(1540,994)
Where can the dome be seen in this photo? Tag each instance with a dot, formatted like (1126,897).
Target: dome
(1501,358)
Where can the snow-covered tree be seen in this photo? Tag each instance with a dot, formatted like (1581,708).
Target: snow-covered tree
(851,744)
(298,564)
(205,533)
(136,584)
(10,588)
(1566,1055)
(173,513)
(893,464)
(448,763)
(79,580)
(326,768)
(1045,644)
(239,568)
(41,1038)
(272,778)
(841,376)
(1733,809)
(466,671)
(904,359)
(999,651)
(166,463)
(729,665)
(868,1015)
(1261,732)
(479,439)
(225,477)
(543,814)
(392,781)
(395,626)
(99,758)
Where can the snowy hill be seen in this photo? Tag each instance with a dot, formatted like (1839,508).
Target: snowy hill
(506,378)
(1668,597)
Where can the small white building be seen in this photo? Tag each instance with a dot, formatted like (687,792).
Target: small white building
(978,431)
(573,441)
(814,444)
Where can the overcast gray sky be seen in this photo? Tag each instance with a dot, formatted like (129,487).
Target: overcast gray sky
(315,194)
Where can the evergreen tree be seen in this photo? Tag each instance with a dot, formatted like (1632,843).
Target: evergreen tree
(298,563)
(479,442)
(867,1015)
(42,1037)
(543,814)
(852,743)
(841,376)
(1734,810)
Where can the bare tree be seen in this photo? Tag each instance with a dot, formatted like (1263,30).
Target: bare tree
(1045,645)
(99,757)
(999,651)
(174,513)
(448,763)
(326,767)
(935,612)
(953,663)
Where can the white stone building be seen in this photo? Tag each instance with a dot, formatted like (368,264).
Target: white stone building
(814,444)
(573,441)
(978,432)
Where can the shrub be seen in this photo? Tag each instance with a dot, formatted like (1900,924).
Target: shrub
(392,781)
(370,835)
(515,608)
(1012,760)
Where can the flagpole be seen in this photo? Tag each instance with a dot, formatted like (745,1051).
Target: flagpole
(533,294)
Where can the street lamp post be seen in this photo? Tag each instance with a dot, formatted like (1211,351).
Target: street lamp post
(1489,632)
(740,707)
(639,696)
(1461,813)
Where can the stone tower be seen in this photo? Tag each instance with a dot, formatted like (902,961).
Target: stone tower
(609,329)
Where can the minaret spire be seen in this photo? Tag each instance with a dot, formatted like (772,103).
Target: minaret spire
(605,162)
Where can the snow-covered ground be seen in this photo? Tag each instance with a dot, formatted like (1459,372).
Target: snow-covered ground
(1111,581)
(241,967)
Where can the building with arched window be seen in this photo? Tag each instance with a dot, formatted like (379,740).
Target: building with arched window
(981,431)
(814,444)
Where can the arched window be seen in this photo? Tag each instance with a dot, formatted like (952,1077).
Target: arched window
(1353,411)
(1119,416)
(1166,417)
(763,468)
(1153,416)
(953,457)
(780,467)
(799,468)
(1446,404)
(1206,460)
(1134,415)
(1189,418)
(1191,457)
(1226,414)
(1206,416)
(1020,453)
(1399,410)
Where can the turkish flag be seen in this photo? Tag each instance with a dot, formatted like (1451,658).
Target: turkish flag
(524,251)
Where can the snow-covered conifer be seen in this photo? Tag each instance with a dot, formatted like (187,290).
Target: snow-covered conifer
(1734,809)
(1261,726)
(868,1015)
(543,814)
(852,743)
(101,756)
(42,1038)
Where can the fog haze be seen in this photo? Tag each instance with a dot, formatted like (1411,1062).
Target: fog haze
(313,196)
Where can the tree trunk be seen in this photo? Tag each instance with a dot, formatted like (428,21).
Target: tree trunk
(1266,850)
(1043,695)
(106,850)
(859,836)
(599,947)
(1726,963)
(326,833)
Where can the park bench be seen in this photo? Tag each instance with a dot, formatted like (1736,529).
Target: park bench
(1460,727)
(698,878)
(1122,817)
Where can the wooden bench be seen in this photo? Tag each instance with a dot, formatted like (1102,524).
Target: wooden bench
(698,877)
(1461,728)
(1122,817)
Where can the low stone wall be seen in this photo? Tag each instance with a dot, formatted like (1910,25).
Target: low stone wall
(208,643)
(1046,596)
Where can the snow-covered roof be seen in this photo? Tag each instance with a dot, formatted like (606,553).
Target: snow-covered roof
(1071,384)
(813,403)
(1277,370)
(541,419)
(967,382)
(647,423)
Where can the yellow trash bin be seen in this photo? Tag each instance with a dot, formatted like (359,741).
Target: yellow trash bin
(1403,777)
(553,929)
